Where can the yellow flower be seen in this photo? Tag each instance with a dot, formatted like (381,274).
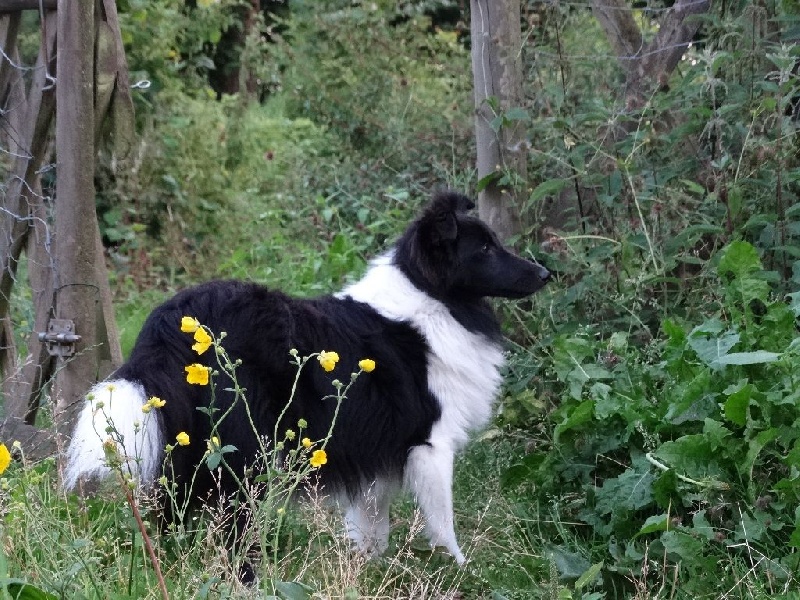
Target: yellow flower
(203,340)
(189,324)
(328,360)
(182,438)
(5,458)
(307,443)
(156,402)
(213,444)
(318,459)
(147,407)
(290,435)
(197,374)
(367,365)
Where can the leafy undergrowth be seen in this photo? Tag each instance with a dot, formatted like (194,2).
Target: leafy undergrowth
(673,467)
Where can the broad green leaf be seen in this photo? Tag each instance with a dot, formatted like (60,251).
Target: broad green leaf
(516,113)
(589,576)
(755,446)
(548,188)
(523,471)
(735,407)
(794,539)
(690,456)
(292,590)
(701,526)
(570,565)
(665,489)
(739,258)
(486,180)
(682,544)
(716,433)
(757,357)
(711,349)
(580,415)
(654,523)
(794,304)
(632,490)
(19,590)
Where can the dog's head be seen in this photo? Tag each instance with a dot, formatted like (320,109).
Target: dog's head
(452,255)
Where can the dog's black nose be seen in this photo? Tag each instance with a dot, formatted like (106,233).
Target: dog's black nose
(544,274)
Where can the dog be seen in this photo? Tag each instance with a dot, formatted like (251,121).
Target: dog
(419,313)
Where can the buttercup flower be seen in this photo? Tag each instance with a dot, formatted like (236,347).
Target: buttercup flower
(5,458)
(367,365)
(147,407)
(182,438)
(328,360)
(156,402)
(189,324)
(307,443)
(197,374)
(203,340)
(318,459)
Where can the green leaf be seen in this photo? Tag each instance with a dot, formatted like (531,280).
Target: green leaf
(754,448)
(517,113)
(570,565)
(580,415)
(682,544)
(654,523)
(551,187)
(589,576)
(486,180)
(19,590)
(756,357)
(690,456)
(739,258)
(292,590)
(735,407)
(710,349)
(665,489)
(523,471)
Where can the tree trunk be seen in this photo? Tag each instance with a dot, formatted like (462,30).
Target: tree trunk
(501,145)
(76,284)
(648,65)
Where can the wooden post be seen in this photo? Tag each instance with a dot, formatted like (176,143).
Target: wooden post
(496,70)
(77,289)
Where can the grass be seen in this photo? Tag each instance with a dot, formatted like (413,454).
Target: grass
(517,548)
(91,548)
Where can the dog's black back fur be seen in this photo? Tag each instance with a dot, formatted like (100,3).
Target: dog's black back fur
(261,328)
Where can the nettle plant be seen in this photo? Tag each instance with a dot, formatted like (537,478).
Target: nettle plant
(687,448)
(285,462)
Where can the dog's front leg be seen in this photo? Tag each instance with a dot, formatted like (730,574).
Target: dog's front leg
(429,476)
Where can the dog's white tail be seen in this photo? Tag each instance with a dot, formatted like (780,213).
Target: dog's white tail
(114,430)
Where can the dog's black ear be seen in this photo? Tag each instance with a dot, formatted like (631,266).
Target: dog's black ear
(452,201)
(442,215)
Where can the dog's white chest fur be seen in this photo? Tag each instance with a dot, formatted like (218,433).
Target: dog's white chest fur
(463,367)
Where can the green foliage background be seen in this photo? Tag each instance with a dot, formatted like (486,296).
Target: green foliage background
(648,440)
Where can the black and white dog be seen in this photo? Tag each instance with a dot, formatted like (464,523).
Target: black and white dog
(419,312)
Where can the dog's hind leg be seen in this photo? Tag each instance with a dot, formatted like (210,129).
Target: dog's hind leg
(429,476)
(367,518)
